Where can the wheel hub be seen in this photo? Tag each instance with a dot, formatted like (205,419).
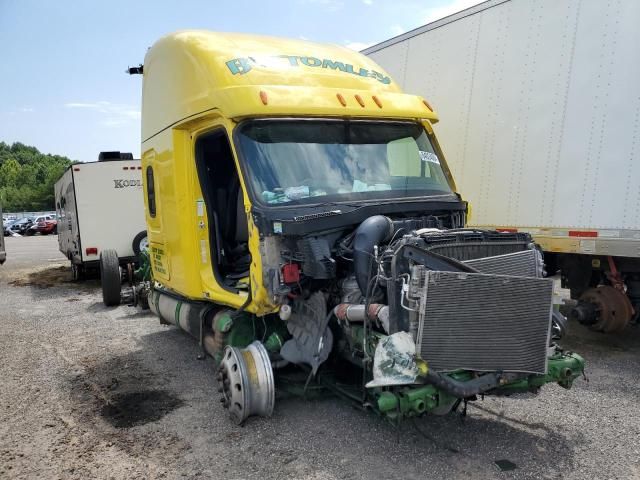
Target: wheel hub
(613,308)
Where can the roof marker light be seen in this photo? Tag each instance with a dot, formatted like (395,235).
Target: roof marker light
(341,99)
(76,169)
(377,100)
(359,100)
(426,104)
(263,97)
(125,168)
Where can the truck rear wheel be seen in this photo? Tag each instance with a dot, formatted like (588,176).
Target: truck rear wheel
(110,277)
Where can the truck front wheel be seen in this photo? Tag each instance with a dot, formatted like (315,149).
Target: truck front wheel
(110,277)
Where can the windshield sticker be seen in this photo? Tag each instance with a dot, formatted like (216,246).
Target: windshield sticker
(244,65)
(429,157)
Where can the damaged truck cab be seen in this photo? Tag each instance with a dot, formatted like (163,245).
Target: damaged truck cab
(304,227)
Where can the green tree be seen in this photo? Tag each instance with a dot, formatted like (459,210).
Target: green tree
(10,173)
(27,177)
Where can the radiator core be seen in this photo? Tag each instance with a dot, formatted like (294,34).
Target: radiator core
(482,322)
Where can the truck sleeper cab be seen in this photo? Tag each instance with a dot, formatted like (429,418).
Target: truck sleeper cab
(302,220)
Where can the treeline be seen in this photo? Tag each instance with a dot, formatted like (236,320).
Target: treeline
(27,177)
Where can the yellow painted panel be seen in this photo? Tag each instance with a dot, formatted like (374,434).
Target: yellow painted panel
(191,72)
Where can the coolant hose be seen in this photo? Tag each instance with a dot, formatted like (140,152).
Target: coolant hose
(460,389)
(373,231)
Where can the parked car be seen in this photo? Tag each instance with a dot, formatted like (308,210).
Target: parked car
(43,226)
(21,226)
(6,227)
(8,218)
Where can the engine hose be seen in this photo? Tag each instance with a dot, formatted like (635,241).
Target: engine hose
(460,389)
(373,231)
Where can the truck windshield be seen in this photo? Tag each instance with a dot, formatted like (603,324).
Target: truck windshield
(314,161)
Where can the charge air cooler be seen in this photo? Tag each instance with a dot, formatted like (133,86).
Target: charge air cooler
(482,322)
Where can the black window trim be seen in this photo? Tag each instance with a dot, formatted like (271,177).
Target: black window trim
(151,191)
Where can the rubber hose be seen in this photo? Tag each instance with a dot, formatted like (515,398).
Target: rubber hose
(373,231)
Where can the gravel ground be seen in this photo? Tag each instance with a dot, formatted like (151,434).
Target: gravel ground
(91,392)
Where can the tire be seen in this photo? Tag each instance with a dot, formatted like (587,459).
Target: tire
(110,277)
(140,242)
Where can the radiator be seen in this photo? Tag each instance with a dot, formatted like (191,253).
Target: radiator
(527,263)
(481,322)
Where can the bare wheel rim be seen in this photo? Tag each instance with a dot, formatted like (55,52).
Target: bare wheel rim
(246,382)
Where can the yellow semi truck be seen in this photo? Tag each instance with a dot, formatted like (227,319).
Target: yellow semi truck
(304,227)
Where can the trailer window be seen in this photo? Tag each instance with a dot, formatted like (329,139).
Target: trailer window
(151,192)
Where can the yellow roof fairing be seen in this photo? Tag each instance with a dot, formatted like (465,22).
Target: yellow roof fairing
(190,72)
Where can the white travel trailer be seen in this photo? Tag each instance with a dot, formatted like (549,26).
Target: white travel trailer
(100,207)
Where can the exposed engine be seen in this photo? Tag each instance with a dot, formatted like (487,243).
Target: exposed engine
(437,285)
(392,291)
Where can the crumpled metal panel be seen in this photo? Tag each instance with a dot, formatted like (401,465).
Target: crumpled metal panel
(483,322)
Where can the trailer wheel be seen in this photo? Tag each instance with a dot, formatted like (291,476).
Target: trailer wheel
(140,243)
(110,277)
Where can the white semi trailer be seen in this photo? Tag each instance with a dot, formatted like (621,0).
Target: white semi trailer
(100,207)
(539,104)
